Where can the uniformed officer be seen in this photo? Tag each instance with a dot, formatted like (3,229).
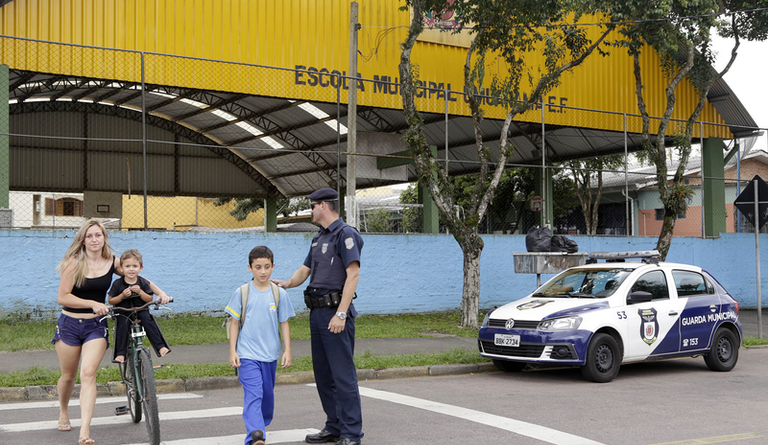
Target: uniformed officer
(333,263)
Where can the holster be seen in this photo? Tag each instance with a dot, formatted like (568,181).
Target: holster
(332,299)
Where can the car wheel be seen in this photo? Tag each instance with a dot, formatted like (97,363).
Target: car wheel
(508,366)
(603,359)
(724,351)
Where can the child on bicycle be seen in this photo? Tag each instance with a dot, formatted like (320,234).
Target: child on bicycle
(133,290)
(254,350)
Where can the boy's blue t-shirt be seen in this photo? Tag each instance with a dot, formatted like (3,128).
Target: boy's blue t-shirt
(260,337)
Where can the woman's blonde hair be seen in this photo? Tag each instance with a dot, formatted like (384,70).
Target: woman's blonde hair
(76,252)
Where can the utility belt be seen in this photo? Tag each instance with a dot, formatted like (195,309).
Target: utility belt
(314,301)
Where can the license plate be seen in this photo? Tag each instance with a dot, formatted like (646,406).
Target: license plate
(506,340)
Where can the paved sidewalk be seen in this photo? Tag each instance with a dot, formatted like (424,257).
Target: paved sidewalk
(219,352)
(748,320)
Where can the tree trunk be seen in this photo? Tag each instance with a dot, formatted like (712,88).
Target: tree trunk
(657,151)
(665,237)
(470,299)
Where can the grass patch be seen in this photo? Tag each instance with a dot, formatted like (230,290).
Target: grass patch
(412,325)
(43,376)
(754,341)
(456,355)
(33,376)
(26,335)
(23,334)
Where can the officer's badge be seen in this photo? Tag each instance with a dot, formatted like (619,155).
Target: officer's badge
(325,248)
(349,242)
(533,304)
(649,325)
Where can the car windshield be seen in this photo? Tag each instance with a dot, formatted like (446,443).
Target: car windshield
(584,283)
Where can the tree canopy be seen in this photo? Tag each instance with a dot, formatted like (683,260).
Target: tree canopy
(507,31)
(680,32)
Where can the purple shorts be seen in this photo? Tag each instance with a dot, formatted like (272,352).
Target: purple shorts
(76,331)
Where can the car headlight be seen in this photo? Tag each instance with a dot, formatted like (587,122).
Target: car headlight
(560,324)
(485,320)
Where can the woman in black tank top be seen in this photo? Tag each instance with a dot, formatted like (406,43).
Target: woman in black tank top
(81,333)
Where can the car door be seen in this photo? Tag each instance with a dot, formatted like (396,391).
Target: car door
(652,326)
(700,310)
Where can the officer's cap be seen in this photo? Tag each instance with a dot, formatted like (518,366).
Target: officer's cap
(325,194)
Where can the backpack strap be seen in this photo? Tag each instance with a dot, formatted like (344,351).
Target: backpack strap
(276,296)
(244,290)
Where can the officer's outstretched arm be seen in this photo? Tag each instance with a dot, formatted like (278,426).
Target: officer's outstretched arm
(296,279)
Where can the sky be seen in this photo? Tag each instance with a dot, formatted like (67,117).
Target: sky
(747,79)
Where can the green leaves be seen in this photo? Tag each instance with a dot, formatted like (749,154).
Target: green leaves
(516,32)
(246,206)
(680,32)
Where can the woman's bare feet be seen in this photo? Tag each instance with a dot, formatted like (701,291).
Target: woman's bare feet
(120,359)
(64,424)
(164,351)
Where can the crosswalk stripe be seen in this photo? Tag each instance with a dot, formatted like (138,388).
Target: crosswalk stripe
(285,436)
(99,401)
(717,439)
(532,430)
(116,420)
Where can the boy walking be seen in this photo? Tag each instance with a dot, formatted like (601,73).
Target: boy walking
(255,348)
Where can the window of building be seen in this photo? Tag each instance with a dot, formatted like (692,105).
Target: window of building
(63,207)
(660,214)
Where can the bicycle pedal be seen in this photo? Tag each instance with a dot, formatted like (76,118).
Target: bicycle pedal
(120,410)
(158,366)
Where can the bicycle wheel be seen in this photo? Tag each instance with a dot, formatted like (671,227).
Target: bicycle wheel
(134,402)
(151,415)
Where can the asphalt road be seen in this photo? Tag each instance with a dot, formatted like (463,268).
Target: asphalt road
(678,402)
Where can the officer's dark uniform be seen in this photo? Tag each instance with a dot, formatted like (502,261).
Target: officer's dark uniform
(332,250)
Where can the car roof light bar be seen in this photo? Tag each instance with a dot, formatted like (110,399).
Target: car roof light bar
(648,256)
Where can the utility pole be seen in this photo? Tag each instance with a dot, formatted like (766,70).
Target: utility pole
(352,117)
(757,261)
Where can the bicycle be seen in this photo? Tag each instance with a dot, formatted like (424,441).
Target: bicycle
(137,373)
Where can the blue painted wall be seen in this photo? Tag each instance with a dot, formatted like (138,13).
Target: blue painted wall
(400,273)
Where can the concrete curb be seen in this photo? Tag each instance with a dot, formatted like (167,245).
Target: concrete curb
(166,386)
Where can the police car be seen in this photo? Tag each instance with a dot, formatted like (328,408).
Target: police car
(602,314)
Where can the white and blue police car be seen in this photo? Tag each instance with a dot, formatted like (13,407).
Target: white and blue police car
(602,314)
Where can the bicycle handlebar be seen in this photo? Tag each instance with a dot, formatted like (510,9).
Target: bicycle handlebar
(156,303)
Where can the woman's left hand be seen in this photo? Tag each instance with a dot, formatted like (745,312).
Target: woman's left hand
(100,309)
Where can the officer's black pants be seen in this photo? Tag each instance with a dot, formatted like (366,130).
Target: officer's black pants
(335,374)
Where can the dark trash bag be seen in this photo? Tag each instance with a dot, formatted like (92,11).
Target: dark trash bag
(538,239)
(561,243)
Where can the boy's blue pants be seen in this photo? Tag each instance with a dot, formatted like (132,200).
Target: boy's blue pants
(258,380)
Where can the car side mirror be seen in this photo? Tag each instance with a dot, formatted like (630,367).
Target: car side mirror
(639,296)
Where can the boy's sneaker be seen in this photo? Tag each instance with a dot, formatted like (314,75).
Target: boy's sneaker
(257,437)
